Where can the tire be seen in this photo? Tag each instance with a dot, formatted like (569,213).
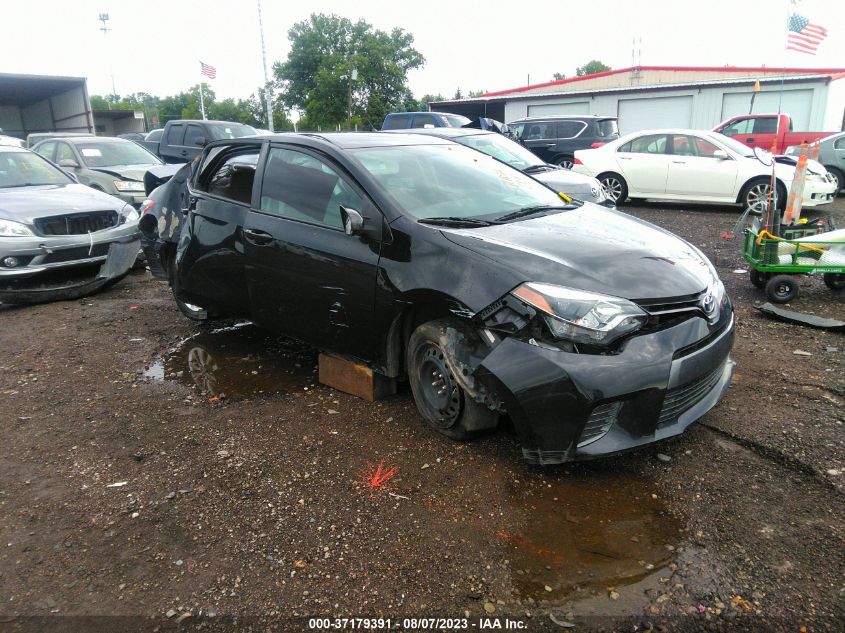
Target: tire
(440,399)
(834,281)
(758,279)
(756,192)
(782,289)
(840,179)
(614,186)
(193,312)
(564,161)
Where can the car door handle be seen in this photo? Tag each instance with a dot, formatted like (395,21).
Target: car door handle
(624,157)
(550,144)
(259,238)
(680,162)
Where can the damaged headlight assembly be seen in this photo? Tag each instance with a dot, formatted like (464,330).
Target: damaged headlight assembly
(582,317)
(129,185)
(8,228)
(128,215)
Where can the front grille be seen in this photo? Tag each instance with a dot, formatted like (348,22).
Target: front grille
(671,308)
(599,422)
(681,399)
(77,223)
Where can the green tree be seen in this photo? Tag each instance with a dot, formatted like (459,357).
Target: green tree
(318,74)
(591,67)
(558,77)
(192,109)
(472,94)
(458,94)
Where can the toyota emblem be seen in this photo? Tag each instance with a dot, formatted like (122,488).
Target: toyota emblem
(708,304)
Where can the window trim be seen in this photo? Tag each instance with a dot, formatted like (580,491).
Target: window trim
(580,132)
(194,184)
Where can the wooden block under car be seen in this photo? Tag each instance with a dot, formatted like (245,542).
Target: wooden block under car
(352,378)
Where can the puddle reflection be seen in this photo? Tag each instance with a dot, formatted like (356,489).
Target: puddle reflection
(237,362)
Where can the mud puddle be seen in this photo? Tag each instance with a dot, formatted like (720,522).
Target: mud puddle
(600,536)
(237,362)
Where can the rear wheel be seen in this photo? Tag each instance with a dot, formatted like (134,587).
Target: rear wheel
(615,187)
(835,281)
(439,397)
(564,161)
(758,279)
(782,289)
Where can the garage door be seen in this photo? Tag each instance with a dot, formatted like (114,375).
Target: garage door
(654,112)
(797,103)
(573,107)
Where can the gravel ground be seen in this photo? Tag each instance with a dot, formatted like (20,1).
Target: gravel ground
(133,499)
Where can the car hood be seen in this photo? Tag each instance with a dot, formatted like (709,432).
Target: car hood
(125,172)
(595,249)
(25,204)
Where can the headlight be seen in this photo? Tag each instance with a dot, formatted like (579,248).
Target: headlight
(14,229)
(811,177)
(128,214)
(128,185)
(580,316)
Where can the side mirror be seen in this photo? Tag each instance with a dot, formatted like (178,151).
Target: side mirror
(720,154)
(201,141)
(68,162)
(353,221)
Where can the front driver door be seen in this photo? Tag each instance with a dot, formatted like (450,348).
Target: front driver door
(307,278)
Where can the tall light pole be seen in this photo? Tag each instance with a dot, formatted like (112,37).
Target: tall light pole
(104,18)
(268,88)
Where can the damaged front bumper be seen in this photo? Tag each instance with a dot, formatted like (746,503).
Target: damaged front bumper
(568,406)
(65,267)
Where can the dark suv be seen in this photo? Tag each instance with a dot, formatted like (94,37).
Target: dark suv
(408,120)
(555,138)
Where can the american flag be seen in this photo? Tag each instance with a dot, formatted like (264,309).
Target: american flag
(802,35)
(208,71)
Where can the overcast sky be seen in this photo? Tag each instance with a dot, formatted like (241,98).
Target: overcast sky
(155,45)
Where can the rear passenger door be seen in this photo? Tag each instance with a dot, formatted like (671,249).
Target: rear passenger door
(644,162)
(307,278)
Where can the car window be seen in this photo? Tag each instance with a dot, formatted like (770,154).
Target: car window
(24,169)
(396,122)
(47,149)
(112,153)
(299,186)
(683,145)
(535,131)
(154,135)
(64,152)
(742,126)
(231,174)
(176,134)
(569,129)
(193,133)
(456,120)
(650,144)
(421,120)
(220,131)
(703,147)
(517,129)
(766,126)
(839,143)
(607,127)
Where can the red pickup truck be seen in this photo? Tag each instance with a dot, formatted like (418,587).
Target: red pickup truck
(763,130)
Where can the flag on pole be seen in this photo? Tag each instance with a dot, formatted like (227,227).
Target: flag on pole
(207,70)
(802,35)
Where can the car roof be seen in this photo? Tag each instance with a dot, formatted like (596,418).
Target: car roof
(443,132)
(557,117)
(342,140)
(89,139)
(14,148)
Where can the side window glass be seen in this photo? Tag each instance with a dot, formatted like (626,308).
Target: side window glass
(569,129)
(421,120)
(738,127)
(64,152)
(232,175)
(625,148)
(683,145)
(766,126)
(47,150)
(537,131)
(518,129)
(300,187)
(839,143)
(192,134)
(176,134)
(703,147)
(651,144)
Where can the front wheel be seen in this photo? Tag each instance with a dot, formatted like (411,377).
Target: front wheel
(615,187)
(782,289)
(757,193)
(839,177)
(439,397)
(834,281)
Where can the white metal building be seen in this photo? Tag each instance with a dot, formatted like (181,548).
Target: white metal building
(645,97)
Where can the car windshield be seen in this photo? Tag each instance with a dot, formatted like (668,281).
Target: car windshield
(456,120)
(734,146)
(502,148)
(435,181)
(25,169)
(220,131)
(110,154)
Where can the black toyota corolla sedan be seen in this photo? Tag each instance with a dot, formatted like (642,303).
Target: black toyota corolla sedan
(593,331)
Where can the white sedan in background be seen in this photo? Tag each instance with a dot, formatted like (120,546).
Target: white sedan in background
(694,165)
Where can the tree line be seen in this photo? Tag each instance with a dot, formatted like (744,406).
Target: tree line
(338,74)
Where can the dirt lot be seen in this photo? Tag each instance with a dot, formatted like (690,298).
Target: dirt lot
(162,472)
